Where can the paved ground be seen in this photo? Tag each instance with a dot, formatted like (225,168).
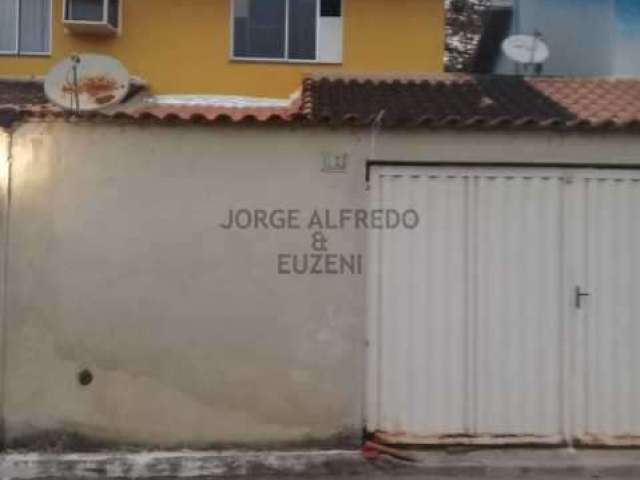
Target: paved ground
(508,464)
(429,477)
(375,477)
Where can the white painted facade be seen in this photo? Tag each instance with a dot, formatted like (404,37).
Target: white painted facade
(115,262)
(586,37)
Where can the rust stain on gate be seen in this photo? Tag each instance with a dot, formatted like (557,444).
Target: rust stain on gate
(466,440)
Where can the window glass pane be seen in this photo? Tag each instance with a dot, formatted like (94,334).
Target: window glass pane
(302,29)
(114,13)
(34,26)
(241,28)
(331,8)
(8,26)
(88,10)
(259,28)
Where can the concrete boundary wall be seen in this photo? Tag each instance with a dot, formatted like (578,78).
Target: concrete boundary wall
(132,318)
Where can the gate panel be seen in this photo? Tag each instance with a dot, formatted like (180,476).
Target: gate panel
(518,223)
(477,334)
(466,315)
(612,312)
(418,287)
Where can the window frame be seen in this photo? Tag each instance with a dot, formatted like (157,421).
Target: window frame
(22,53)
(285,58)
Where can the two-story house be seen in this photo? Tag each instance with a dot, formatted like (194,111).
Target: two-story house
(239,47)
(585,37)
(423,257)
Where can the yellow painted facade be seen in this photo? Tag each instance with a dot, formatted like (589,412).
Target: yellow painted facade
(183,46)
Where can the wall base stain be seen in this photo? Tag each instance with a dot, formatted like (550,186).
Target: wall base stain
(68,441)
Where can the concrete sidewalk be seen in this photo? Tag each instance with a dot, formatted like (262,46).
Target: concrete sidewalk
(493,464)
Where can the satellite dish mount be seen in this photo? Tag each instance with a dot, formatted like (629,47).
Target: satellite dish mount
(75,101)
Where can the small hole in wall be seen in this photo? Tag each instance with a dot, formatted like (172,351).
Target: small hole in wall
(85,377)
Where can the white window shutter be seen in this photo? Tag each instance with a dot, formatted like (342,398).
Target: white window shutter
(330,39)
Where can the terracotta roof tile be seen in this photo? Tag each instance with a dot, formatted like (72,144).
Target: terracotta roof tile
(207,113)
(595,101)
(474,101)
(21,92)
(458,100)
(442,100)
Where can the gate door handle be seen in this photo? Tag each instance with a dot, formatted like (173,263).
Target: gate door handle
(579,295)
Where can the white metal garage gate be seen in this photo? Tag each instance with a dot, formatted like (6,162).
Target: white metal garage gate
(480,327)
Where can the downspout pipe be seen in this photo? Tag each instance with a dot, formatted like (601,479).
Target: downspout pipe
(6,154)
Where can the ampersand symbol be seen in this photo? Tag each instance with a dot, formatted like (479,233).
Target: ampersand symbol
(319,242)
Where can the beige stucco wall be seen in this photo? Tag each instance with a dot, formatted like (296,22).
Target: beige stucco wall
(117,263)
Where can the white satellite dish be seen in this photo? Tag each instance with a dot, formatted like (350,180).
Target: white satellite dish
(526,49)
(87,82)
